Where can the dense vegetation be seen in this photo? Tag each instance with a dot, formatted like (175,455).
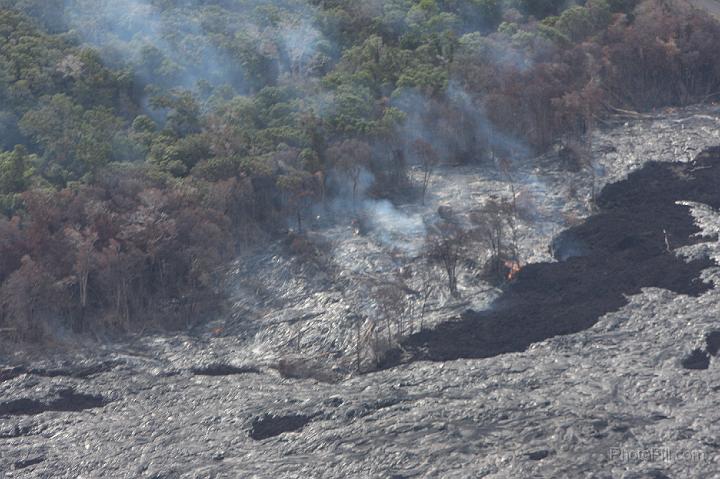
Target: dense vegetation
(143,142)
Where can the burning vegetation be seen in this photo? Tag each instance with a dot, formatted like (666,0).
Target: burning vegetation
(144,144)
(609,256)
(513,268)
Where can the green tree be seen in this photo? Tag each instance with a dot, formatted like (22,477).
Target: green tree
(97,131)
(183,117)
(16,170)
(541,8)
(16,174)
(55,126)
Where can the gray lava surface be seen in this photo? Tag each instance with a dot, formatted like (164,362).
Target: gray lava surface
(267,391)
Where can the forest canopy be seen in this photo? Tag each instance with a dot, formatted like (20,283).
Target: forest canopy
(143,143)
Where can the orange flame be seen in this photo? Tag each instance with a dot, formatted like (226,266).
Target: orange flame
(513,269)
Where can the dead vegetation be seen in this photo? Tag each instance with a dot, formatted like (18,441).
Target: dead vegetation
(601,261)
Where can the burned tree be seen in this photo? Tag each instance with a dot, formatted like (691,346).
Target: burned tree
(578,110)
(392,306)
(445,245)
(29,298)
(426,290)
(505,166)
(429,159)
(491,223)
(351,157)
(84,245)
(298,188)
(580,152)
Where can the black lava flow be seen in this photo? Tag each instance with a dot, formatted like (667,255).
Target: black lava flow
(625,247)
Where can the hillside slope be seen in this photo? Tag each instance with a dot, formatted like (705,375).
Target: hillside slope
(633,396)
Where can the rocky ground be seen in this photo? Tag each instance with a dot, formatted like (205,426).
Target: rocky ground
(628,244)
(268,390)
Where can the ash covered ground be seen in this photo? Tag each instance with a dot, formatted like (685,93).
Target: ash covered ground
(269,389)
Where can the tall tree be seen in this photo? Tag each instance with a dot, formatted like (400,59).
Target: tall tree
(428,159)
(351,158)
